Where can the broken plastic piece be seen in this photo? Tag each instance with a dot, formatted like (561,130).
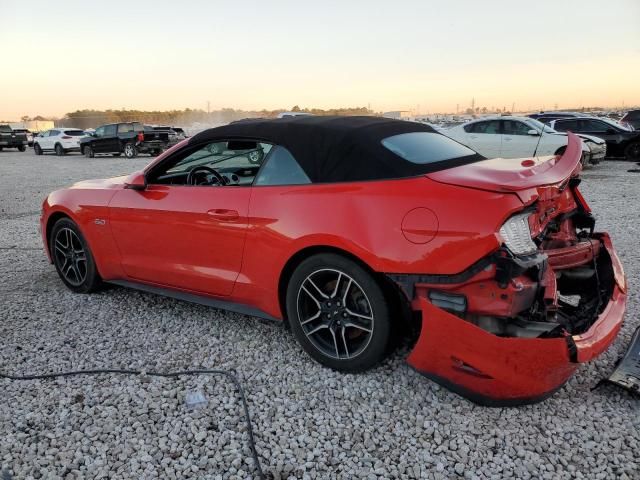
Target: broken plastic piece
(195,400)
(627,373)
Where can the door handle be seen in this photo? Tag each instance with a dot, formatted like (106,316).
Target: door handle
(507,139)
(224,214)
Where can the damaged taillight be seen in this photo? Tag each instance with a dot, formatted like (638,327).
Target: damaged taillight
(516,235)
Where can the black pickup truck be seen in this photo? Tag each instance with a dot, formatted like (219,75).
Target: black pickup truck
(11,139)
(130,138)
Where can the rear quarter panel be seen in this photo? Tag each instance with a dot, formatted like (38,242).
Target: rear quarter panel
(365,219)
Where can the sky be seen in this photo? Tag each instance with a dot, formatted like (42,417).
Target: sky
(421,55)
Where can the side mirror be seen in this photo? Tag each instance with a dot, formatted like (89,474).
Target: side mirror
(136,181)
(533,132)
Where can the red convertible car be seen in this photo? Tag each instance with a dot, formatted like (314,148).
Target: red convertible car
(349,228)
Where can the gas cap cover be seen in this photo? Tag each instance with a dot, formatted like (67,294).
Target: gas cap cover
(420,225)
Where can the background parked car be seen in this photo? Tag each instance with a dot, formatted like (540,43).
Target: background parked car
(511,137)
(180,132)
(621,142)
(631,119)
(27,133)
(546,117)
(129,138)
(60,140)
(12,139)
(171,134)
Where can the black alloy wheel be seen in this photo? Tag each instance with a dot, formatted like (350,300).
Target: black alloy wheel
(72,257)
(338,313)
(59,150)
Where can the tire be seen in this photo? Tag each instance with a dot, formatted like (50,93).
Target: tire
(37,150)
(130,150)
(1,148)
(59,150)
(22,148)
(632,152)
(88,152)
(72,257)
(349,338)
(560,151)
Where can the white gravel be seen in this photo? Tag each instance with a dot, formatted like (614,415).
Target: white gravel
(310,422)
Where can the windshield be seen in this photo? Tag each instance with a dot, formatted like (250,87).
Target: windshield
(5,128)
(539,126)
(426,147)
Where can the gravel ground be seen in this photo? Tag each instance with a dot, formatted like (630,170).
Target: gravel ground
(310,422)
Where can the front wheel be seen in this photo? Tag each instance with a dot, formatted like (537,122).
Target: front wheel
(37,149)
(22,148)
(59,150)
(73,258)
(130,150)
(338,313)
(88,152)
(632,152)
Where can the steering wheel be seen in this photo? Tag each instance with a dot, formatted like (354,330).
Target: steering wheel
(192,177)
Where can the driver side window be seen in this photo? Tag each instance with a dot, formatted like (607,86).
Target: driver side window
(230,163)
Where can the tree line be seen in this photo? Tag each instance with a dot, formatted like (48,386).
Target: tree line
(92,118)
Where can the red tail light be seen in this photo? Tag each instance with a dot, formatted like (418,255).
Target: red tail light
(66,137)
(140,137)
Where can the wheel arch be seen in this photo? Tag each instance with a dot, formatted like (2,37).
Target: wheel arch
(398,303)
(51,221)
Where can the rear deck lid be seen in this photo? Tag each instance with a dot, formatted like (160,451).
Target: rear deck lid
(515,175)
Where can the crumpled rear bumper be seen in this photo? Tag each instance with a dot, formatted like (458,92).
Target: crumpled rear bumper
(501,371)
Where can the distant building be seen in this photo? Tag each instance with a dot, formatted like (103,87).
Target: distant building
(398,115)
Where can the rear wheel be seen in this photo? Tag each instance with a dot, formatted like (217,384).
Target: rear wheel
(22,148)
(59,150)
(88,152)
(130,150)
(37,149)
(338,313)
(632,152)
(73,258)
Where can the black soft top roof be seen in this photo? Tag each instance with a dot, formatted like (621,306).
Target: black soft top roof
(333,149)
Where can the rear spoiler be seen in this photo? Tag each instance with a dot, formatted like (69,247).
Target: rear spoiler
(512,175)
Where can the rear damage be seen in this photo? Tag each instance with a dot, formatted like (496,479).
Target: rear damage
(513,327)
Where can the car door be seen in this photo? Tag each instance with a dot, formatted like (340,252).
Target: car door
(485,138)
(109,142)
(98,140)
(184,236)
(43,140)
(516,141)
(605,131)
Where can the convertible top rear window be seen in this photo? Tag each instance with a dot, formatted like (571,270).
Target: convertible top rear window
(426,147)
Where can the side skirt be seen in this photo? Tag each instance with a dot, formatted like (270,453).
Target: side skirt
(198,299)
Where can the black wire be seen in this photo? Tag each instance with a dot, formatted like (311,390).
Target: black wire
(101,371)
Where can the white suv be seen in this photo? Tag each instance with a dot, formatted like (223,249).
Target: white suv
(60,140)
